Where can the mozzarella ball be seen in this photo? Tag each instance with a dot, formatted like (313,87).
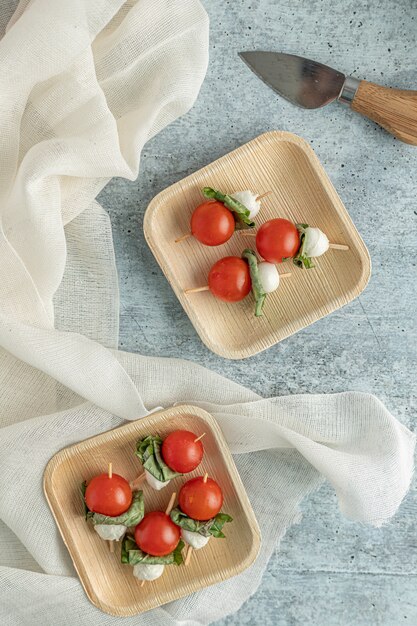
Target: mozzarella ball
(315,242)
(148,571)
(248,199)
(154,482)
(110,532)
(269,276)
(195,540)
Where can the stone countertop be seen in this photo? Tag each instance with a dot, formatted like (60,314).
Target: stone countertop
(328,570)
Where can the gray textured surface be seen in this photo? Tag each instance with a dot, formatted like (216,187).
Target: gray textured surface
(328,570)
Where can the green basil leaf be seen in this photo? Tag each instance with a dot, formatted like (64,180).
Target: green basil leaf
(87,512)
(257,287)
(237,207)
(219,521)
(133,555)
(210,527)
(301,259)
(131,517)
(148,450)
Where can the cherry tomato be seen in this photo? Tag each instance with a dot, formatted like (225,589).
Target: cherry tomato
(212,223)
(200,500)
(181,452)
(157,534)
(108,496)
(277,239)
(229,279)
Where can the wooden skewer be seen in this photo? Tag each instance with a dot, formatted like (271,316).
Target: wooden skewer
(338,246)
(110,470)
(205,477)
(263,195)
(200,437)
(142,583)
(197,289)
(183,237)
(170,503)
(207,288)
(188,557)
(333,246)
(187,235)
(134,484)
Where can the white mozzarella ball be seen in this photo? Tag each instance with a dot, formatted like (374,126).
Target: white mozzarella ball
(148,571)
(269,276)
(110,532)
(195,540)
(248,199)
(154,482)
(315,242)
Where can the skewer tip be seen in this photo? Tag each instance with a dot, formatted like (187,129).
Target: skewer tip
(199,438)
(134,484)
(183,237)
(205,477)
(171,503)
(188,557)
(197,289)
(110,470)
(263,195)
(338,246)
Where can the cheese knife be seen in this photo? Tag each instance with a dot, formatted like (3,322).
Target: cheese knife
(311,85)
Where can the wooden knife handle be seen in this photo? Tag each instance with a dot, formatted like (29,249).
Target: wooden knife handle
(393,109)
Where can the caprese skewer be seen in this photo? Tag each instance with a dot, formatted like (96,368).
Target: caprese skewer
(232,278)
(213,222)
(111,505)
(179,453)
(198,513)
(155,544)
(279,239)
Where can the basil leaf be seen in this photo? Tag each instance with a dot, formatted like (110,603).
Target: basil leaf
(301,259)
(87,512)
(148,450)
(257,287)
(210,527)
(237,207)
(219,521)
(131,517)
(133,555)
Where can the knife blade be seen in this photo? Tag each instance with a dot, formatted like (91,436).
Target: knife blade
(312,85)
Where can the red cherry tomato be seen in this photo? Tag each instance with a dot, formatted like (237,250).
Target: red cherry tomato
(181,452)
(200,500)
(157,534)
(277,239)
(229,279)
(108,496)
(212,223)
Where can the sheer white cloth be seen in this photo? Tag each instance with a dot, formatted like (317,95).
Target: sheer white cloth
(84,84)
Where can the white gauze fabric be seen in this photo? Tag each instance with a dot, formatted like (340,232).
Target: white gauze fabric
(84,84)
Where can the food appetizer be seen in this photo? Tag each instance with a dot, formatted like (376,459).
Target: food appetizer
(214,222)
(111,505)
(179,453)
(155,544)
(198,513)
(232,278)
(279,239)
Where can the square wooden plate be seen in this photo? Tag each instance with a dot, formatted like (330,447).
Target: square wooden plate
(302,192)
(109,584)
